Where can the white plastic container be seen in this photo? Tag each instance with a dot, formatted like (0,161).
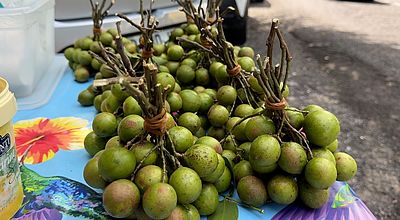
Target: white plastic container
(26,44)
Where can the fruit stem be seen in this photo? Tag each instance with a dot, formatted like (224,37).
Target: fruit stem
(164,164)
(98,14)
(243,204)
(142,160)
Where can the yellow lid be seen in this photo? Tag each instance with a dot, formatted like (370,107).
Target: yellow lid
(8,104)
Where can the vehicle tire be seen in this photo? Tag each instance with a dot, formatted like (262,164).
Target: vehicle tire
(235,26)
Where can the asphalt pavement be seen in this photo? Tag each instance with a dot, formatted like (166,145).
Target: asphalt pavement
(346,58)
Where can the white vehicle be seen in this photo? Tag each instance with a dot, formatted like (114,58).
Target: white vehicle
(73,19)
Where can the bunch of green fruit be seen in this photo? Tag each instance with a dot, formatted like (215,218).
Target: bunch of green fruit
(215,136)
(84,65)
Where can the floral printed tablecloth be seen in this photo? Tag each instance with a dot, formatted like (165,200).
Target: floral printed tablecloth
(51,140)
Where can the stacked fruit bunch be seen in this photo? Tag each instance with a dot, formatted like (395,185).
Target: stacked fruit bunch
(198,118)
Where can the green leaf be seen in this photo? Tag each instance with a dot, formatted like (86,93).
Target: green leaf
(226,210)
(233,183)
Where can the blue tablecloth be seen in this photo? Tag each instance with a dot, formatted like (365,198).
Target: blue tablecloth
(52,136)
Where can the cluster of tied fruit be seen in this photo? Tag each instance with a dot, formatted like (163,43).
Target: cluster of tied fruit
(202,116)
(83,63)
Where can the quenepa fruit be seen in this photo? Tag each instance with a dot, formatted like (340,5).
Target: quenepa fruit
(252,191)
(121,198)
(159,200)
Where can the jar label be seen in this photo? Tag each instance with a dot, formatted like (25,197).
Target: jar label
(9,171)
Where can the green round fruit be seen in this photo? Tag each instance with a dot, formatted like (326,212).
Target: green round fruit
(200,133)
(324,153)
(211,92)
(113,32)
(240,131)
(333,146)
(293,158)
(231,123)
(243,110)
(221,75)
(175,101)
(192,29)
(321,127)
(113,142)
(159,200)
(285,92)
(95,47)
(106,71)
(199,89)
(131,48)
(242,169)
(106,38)
(175,52)
(110,104)
(81,74)
(177,88)
(68,53)
(202,77)
(177,32)
(116,163)
(84,58)
(202,159)
(92,176)
(214,68)
(224,181)
(95,64)
(312,197)
(163,68)
(282,189)
(216,132)
(104,124)
(181,138)
(167,81)
(208,200)
(192,212)
(142,149)
(118,92)
(189,62)
(211,142)
(130,127)
(246,52)
(346,166)
(185,74)
(320,173)
(121,198)
(158,49)
(190,100)
(251,191)
(214,176)
(311,108)
(86,43)
(86,98)
(190,121)
(179,212)
(172,66)
(264,153)
(295,118)
(246,63)
(206,102)
(186,183)
(131,107)
(147,176)
(226,95)
(97,102)
(218,115)
(257,126)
